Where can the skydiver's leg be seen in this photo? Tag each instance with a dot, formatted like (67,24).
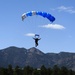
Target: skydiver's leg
(36,44)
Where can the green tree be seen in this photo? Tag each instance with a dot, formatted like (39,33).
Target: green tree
(3,71)
(36,72)
(71,72)
(49,71)
(43,70)
(17,71)
(28,70)
(64,71)
(56,70)
(10,70)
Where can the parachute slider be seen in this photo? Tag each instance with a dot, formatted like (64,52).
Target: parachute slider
(37,35)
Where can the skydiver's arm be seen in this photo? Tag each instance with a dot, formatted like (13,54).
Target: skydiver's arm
(39,38)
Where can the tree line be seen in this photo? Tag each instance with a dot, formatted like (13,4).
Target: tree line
(27,70)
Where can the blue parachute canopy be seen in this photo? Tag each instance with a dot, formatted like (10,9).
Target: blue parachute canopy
(43,14)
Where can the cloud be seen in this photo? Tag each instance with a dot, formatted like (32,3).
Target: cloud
(65,9)
(30,34)
(53,26)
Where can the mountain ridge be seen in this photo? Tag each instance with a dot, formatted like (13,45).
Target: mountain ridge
(35,58)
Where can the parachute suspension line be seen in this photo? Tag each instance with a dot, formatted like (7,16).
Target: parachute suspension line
(43,14)
(35,25)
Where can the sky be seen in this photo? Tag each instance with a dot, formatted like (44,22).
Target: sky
(56,37)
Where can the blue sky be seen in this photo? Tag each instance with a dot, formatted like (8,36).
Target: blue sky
(56,37)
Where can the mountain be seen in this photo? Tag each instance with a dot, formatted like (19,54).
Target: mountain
(35,58)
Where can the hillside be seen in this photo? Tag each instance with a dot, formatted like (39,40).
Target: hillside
(35,58)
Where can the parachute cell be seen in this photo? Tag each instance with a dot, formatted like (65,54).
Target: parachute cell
(43,14)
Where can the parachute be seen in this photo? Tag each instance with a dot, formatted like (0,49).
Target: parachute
(43,14)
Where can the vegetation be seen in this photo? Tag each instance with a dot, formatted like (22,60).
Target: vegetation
(34,71)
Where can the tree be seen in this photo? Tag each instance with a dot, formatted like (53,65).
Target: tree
(49,71)
(3,71)
(43,70)
(10,70)
(36,72)
(17,71)
(56,70)
(28,70)
(64,71)
(71,72)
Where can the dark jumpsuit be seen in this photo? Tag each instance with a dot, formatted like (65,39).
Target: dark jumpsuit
(36,41)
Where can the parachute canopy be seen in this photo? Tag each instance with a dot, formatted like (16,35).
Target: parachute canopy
(43,14)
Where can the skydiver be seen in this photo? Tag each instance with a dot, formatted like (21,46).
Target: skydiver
(36,40)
